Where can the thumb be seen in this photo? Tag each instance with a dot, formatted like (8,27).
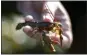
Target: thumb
(28,30)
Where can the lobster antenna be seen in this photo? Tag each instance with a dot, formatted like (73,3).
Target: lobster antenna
(52,16)
(49,12)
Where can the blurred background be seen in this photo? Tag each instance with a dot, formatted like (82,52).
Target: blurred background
(18,42)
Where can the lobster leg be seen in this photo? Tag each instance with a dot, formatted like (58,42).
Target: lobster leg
(61,38)
(47,40)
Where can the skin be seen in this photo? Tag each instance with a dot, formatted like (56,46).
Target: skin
(32,13)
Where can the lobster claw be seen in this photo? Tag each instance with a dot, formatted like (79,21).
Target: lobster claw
(19,26)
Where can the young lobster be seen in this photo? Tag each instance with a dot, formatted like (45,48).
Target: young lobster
(44,27)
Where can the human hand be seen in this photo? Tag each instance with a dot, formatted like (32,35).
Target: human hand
(63,18)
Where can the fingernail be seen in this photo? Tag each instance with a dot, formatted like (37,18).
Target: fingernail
(46,20)
(29,18)
(27,29)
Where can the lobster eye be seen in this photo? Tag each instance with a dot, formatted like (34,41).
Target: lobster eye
(59,24)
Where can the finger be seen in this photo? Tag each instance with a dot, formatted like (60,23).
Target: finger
(54,37)
(29,18)
(28,30)
(47,19)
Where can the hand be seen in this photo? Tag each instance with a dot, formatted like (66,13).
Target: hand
(28,29)
(31,32)
(59,13)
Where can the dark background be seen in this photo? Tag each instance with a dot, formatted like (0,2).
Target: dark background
(77,12)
